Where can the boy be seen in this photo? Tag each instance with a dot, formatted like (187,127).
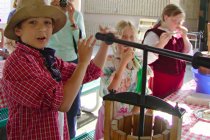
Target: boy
(36,84)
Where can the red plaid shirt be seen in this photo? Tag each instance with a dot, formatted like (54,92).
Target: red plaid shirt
(34,97)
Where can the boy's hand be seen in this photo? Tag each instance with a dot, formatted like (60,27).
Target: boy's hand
(85,49)
(104,30)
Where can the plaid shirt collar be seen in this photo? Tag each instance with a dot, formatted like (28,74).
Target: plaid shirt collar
(47,53)
(28,49)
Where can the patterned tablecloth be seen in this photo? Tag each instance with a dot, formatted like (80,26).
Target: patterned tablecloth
(192,127)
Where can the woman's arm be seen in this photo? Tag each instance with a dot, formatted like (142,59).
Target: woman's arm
(152,40)
(187,44)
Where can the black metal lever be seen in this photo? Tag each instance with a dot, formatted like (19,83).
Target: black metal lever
(151,102)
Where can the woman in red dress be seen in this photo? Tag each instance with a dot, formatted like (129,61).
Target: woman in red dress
(169,34)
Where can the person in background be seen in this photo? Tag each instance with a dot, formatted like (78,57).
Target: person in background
(38,86)
(168,34)
(15,3)
(10,44)
(120,73)
(65,44)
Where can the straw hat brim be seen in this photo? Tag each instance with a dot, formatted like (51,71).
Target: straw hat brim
(56,14)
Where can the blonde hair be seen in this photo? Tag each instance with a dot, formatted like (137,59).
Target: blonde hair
(119,32)
(122,25)
(172,10)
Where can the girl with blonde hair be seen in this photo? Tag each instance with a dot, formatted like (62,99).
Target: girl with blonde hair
(120,74)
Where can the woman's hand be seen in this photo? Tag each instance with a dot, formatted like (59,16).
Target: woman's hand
(183,30)
(71,10)
(187,44)
(85,49)
(164,38)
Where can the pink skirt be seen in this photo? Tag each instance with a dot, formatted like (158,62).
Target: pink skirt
(99,130)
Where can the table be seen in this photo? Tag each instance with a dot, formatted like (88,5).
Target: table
(193,128)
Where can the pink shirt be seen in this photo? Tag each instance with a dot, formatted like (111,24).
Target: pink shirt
(34,97)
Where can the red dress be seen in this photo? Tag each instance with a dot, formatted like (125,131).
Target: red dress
(168,72)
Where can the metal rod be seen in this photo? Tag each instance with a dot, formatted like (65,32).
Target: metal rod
(163,52)
(143,91)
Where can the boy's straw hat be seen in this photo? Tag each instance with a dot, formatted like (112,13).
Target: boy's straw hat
(34,8)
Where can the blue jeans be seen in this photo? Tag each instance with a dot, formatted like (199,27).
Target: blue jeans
(72,113)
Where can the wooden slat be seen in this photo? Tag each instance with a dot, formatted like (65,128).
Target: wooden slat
(120,122)
(166,134)
(114,124)
(115,135)
(114,127)
(157,125)
(108,119)
(121,135)
(127,124)
(135,124)
(129,137)
(157,137)
(165,124)
(175,132)
(148,123)
(145,138)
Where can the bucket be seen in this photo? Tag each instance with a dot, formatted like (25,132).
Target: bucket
(202,81)
(201,69)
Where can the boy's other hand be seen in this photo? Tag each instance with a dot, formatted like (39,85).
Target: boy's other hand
(85,49)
